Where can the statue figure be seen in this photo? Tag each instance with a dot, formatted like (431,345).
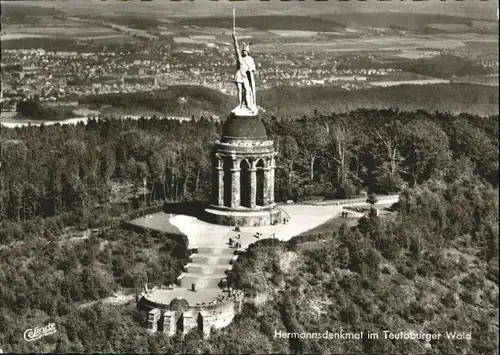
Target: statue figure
(245,75)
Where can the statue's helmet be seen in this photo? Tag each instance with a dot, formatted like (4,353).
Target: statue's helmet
(246,47)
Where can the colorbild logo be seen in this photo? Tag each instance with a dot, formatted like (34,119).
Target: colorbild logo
(37,333)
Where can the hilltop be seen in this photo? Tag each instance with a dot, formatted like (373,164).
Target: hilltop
(455,98)
(442,66)
(288,101)
(176,100)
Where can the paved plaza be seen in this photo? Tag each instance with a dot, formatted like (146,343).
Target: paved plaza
(208,266)
(203,234)
(302,219)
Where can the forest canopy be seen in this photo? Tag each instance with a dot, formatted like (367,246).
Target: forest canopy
(76,170)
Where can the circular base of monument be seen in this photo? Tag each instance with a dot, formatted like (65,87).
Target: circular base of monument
(243,218)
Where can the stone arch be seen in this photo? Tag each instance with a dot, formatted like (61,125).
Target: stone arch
(199,322)
(180,324)
(260,165)
(219,161)
(245,183)
(227,166)
(215,160)
(253,162)
(179,304)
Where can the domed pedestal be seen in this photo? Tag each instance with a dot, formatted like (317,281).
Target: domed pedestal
(243,175)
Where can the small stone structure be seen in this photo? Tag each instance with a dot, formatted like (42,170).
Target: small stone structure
(181,317)
(153,318)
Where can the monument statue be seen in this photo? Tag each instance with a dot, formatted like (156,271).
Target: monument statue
(244,77)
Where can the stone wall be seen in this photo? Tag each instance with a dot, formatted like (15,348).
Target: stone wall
(352,201)
(221,314)
(228,218)
(218,314)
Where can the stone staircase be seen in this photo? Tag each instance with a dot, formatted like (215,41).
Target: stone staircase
(207,267)
(211,259)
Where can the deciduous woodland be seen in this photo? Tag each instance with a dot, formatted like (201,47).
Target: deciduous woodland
(431,266)
(75,171)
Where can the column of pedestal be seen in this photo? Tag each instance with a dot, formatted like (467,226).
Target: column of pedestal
(235,187)
(267,185)
(169,326)
(214,191)
(220,186)
(271,183)
(253,187)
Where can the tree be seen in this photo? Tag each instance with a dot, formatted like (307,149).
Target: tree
(427,149)
(288,152)
(342,140)
(481,147)
(389,139)
(312,138)
(371,200)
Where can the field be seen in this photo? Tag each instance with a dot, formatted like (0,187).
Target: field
(282,23)
(389,43)
(99,21)
(66,31)
(486,50)
(110,38)
(14,36)
(293,33)
(22,23)
(415,54)
(185,40)
(449,27)
(43,42)
(341,11)
(417,21)
(167,33)
(488,25)
(57,28)
(202,38)
(409,82)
